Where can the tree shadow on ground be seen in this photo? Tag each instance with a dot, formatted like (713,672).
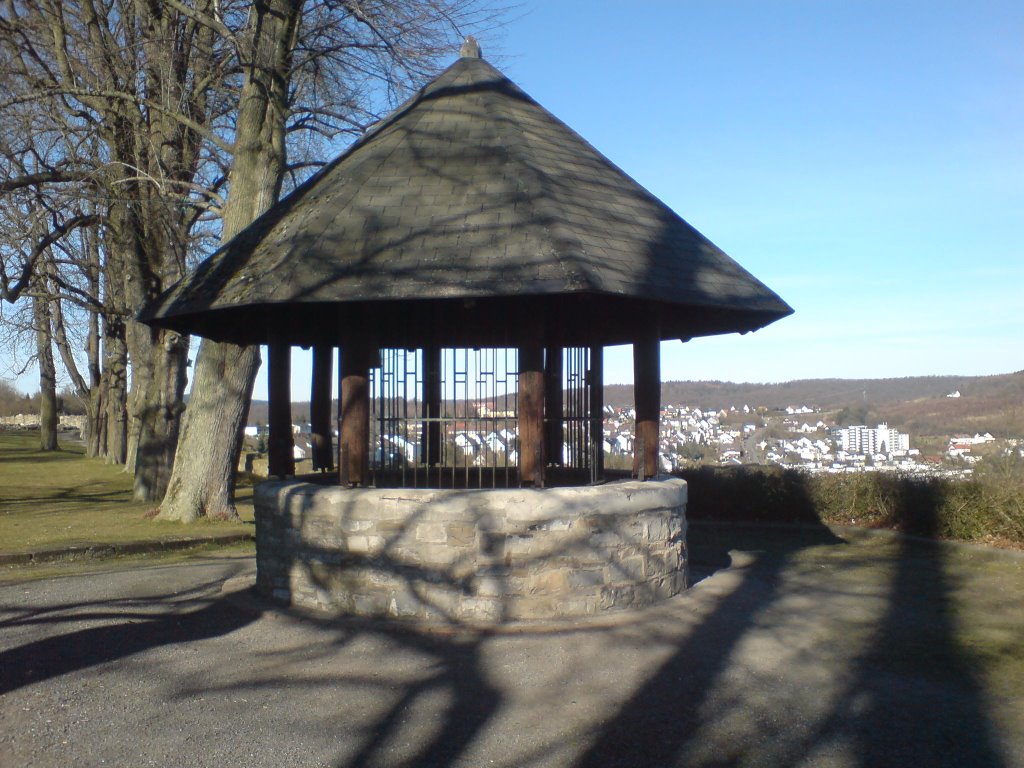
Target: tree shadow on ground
(911,696)
(135,627)
(662,717)
(914,697)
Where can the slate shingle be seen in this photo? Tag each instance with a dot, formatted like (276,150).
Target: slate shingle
(470,190)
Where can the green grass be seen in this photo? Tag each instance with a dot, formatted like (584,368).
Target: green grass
(56,498)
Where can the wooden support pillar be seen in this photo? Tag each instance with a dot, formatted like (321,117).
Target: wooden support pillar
(281,443)
(596,383)
(320,409)
(647,395)
(430,439)
(531,415)
(354,440)
(554,435)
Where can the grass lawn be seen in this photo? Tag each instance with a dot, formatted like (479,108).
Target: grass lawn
(55,498)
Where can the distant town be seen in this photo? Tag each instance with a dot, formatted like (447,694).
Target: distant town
(798,437)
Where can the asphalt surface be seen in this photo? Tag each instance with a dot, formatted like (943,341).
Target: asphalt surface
(794,648)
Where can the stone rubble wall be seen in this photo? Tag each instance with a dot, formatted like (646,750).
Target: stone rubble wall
(32,420)
(471,556)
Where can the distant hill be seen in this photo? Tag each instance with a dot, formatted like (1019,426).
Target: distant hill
(918,404)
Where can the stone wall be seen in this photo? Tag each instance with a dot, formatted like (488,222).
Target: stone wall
(32,420)
(471,556)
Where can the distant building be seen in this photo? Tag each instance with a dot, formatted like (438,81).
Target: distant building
(870,441)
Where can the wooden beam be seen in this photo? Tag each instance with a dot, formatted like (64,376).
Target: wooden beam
(554,434)
(596,413)
(354,440)
(281,443)
(647,398)
(320,409)
(531,415)
(430,439)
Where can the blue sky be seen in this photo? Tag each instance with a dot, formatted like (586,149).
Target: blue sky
(863,159)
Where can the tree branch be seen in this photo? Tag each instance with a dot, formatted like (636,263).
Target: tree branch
(11,294)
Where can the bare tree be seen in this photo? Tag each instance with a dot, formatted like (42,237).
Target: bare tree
(312,71)
(129,83)
(146,104)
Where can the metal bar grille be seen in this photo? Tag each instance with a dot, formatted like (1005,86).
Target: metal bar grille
(453,423)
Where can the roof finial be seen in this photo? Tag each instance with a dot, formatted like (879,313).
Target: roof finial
(470,48)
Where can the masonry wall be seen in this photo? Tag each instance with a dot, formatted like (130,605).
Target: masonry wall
(32,420)
(471,556)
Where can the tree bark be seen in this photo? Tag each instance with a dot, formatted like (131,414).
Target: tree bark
(47,375)
(203,478)
(160,406)
(211,435)
(115,358)
(94,409)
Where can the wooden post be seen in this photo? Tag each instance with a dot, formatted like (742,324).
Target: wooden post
(596,413)
(320,409)
(354,440)
(647,395)
(280,451)
(554,435)
(430,439)
(531,415)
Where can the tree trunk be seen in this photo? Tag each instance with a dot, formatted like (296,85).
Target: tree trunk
(115,357)
(159,406)
(47,375)
(93,407)
(203,479)
(99,437)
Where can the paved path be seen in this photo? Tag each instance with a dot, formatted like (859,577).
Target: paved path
(796,648)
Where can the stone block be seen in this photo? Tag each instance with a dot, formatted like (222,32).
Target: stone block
(493,544)
(438,600)
(431,533)
(461,533)
(616,597)
(519,545)
(576,606)
(631,569)
(371,604)
(656,528)
(348,525)
(402,603)
(489,586)
(528,608)
(427,556)
(486,610)
(365,545)
(547,582)
(584,579)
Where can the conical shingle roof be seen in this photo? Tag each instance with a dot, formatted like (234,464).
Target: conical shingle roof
(466,210)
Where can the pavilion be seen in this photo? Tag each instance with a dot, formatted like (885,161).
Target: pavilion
(470,218)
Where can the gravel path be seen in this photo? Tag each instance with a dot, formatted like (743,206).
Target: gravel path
(796,648)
